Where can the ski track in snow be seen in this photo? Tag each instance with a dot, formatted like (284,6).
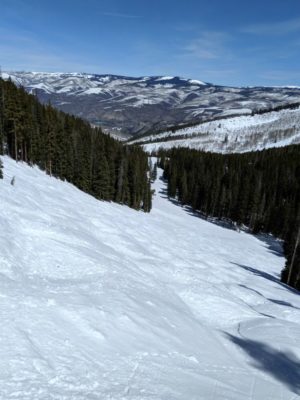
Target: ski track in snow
(99,301)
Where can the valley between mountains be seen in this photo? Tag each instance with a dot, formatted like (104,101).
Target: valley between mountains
(129,106)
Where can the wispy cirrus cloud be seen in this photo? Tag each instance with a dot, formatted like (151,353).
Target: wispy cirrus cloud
(283,76)
(36,60)
(121,15)
(209,45)
(22,51)
(274,28)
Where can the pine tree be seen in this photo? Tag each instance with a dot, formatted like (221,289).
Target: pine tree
(101,179)
(259,189)
(68,148)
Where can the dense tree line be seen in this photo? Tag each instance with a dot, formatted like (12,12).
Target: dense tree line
(258,189)
(69,148)
(171,130)
(290,106)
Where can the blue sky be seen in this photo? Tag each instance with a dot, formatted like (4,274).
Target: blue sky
(227,42)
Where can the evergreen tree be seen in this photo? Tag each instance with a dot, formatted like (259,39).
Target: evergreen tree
(101,179)
(258,189)
(69,148)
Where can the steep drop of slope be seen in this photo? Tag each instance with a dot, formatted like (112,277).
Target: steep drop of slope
(101,301)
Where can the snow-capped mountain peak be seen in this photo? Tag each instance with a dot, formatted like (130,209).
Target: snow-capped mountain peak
(134,105)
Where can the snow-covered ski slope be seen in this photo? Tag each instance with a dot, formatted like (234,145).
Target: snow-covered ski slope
(99,301)
(232,135)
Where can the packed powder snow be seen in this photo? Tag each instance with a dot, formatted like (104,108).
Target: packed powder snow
(99,301)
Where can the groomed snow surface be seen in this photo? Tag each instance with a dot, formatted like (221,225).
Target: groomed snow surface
(99,301)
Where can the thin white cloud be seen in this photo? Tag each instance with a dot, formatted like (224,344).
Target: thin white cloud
(120,15)
(274,29)
(281,76)
(30,55)
(208,46)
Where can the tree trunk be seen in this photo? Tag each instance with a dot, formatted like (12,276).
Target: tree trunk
(293,258)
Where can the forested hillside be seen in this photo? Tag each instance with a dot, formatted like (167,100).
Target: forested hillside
(67,147)
(259,189)
(130,106)
(263,129)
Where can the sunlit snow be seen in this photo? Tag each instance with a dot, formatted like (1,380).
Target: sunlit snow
(99,301)
(236,134)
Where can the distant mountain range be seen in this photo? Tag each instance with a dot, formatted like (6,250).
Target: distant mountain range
(127,106)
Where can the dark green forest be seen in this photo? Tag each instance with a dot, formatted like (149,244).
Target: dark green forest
(260,190)
(70,149)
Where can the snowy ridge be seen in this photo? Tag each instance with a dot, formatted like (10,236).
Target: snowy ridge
(81,83)
(130,106)
(238,134)
(101,302)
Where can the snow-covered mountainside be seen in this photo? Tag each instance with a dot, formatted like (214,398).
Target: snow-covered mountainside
(232,135)
(130,106)
(99,301)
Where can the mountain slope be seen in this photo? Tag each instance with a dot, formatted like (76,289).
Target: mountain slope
(232,135)
(130,106)
(70,149)
(100,301)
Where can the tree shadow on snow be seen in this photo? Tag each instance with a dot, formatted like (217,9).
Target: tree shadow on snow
(267,276)
(257,272)
(274,245)
(283,303)
(224,223)
(275,301)
(164,194)
(283,366)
